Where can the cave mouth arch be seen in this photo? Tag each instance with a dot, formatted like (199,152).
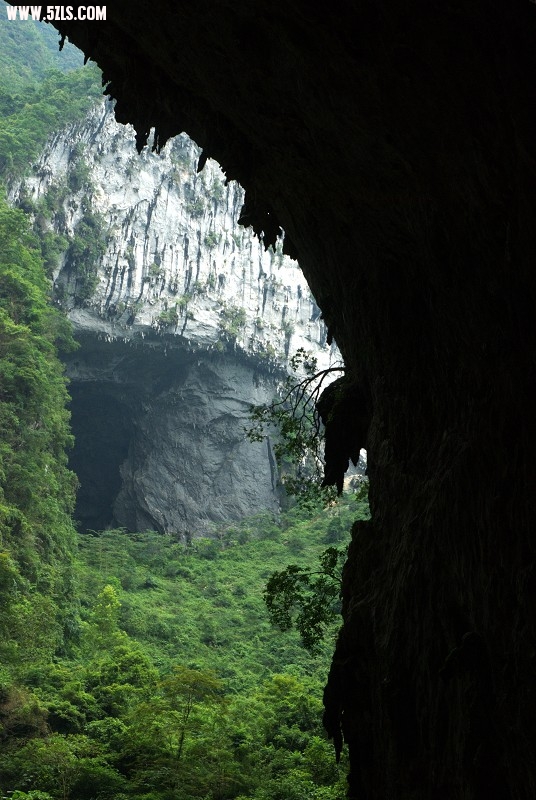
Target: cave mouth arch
(160,439)
(112,385)
(102,427)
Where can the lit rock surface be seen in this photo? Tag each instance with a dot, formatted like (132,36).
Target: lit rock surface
(174,247)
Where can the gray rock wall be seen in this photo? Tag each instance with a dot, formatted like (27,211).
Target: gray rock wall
(160,438)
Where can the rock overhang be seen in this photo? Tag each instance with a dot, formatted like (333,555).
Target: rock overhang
(395,146)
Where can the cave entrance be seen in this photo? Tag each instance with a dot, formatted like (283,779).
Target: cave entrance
(113,386)
(159,437)
(102,427)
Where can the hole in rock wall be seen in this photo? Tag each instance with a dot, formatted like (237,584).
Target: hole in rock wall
(159,438)
(102,427)
(122,398)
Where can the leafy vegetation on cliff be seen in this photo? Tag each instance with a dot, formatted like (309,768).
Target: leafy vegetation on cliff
(300,446)
(36,488)
(30,113)
(29,51)
(28,117)
(83,255)
(40,91)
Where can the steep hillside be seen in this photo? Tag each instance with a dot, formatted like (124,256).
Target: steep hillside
(28,51)
(175,685)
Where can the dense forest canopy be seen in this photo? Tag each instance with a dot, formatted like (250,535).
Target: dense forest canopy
(29,51)
(132,666)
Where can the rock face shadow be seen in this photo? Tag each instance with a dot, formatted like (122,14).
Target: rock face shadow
(160,442)
(102,427)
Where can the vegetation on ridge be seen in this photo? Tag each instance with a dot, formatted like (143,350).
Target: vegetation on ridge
(30,51)
(29,116)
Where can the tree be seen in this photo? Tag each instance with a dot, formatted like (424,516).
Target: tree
(105,614)
(295,417)
(295,596)
(121,675)
(54,764)
(178,730)
(308,600)
(278,738)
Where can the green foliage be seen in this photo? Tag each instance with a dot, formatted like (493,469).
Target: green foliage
(196,207)
(183,300)
(36,488)
(212,239)
(180,726)
(49,205)
(180,686)
(267,355)
(56,764)
(217,190)
(299,445)
(31,112)
(78,176)
(217,584)
(31,116)
(232,321)
(306,599)
(105,614)
(169,317)
(29,51)
(155,271)
(53,245)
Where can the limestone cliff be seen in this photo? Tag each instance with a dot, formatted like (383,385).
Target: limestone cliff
(175,260)
(184,320)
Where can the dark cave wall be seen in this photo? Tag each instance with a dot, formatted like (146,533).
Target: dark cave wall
(102,428)
(159,436)
(395,144)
